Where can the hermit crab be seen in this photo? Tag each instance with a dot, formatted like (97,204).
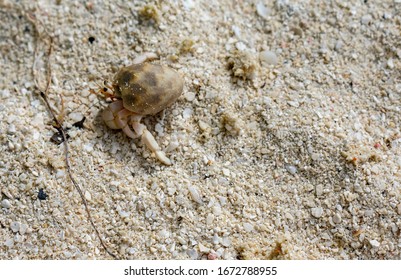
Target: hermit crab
(138,90)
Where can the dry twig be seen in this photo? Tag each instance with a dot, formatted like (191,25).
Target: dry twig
(58,121)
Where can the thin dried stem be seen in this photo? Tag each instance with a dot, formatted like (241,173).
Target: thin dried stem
(58,124)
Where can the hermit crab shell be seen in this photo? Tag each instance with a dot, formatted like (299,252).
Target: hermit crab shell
(147,88)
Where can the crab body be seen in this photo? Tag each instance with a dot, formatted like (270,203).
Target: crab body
(142,89)
(146,88)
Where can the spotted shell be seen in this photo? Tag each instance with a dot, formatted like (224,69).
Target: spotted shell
(147,88)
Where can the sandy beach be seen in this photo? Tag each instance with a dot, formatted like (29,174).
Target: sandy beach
(285,143)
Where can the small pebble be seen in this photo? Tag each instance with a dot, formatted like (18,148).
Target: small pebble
(294,103)
(209,219)
(315,156)
(319,190)
(240,46)
(88,147)
(317,212)
(399,209)
(124,214)
(216,239)
(172,248)
(225,241)
(23,228)
(222,200)
(60,174)
(203,249)
(148,214)
(390,63)
(339,45)
(5,203)
(24,91)
(212,256)
(172,146)
(237,31)
(37,121)
(387,15)
(220,252)
(374,243)
(159,129)
(88,196)
(366,19)
(337,218)
(11,129)
(11,146)
(188,4)
(5,93)
(114,148)
(74,116)
(262,11)
(193,254)
(325,236)
(217,210)
(226,172)
(369,213)
(164,234)
(203,126)
(291,169)
(268,57)
(248,227)
(15,226)
(11,119)
(187,113)
(195,194)
(9,243)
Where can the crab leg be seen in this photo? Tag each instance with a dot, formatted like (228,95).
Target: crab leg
(150,141)
(130,133)
(108,114)
(115,116)
(121,121)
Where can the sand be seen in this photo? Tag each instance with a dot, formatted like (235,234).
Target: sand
(285,142)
